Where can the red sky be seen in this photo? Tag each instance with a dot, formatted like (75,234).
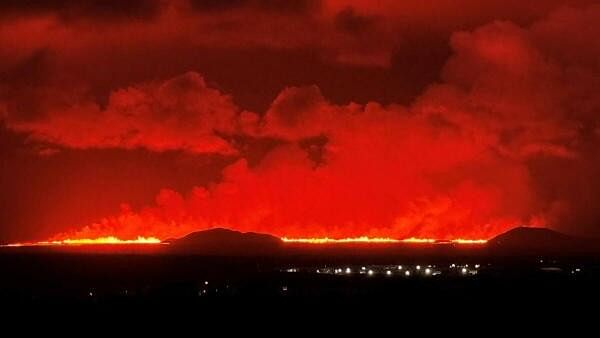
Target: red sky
(304,118)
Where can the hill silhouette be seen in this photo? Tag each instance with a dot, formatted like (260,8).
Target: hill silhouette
(221,241)
(521,241)
(529,240)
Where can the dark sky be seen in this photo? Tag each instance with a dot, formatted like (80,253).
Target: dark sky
(429,118)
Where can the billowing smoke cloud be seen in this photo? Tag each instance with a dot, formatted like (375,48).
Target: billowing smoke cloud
(384,171)
(509,136)
(179,114)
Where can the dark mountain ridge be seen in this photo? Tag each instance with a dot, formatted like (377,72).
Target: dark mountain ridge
(530,240)
(224,241)
(521,241)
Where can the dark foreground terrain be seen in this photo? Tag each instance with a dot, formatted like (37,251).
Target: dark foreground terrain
(398,275)
(48,278)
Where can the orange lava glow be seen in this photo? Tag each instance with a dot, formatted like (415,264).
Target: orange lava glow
(112,240)
(469,241)
(419,240)
(326,240)
(380,240)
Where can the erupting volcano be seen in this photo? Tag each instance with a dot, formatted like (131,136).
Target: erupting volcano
(319,122)
(177,154)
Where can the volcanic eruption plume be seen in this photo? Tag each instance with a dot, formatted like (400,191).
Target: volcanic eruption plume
(507,136)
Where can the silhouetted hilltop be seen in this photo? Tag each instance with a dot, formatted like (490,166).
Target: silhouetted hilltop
(527,236)
(522,241)
(528,240)
(225,242)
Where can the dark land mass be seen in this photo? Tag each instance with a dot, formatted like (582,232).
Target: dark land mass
(225,242)
(522,242)
(215,266)
(527,241)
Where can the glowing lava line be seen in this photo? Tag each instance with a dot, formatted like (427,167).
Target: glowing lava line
(326,240)
(112,240)
(419,240)
(469,241)
(379,240)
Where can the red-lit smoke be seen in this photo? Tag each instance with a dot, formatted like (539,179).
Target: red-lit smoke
(479,152)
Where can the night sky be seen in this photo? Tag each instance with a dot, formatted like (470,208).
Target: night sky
(312,118)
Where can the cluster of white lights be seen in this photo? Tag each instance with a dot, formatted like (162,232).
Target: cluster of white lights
(399,270)
(464,269)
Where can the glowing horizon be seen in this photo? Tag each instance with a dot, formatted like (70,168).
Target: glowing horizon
(365,122)
(106,240)
(327,240)
(381,240)
(113,240)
